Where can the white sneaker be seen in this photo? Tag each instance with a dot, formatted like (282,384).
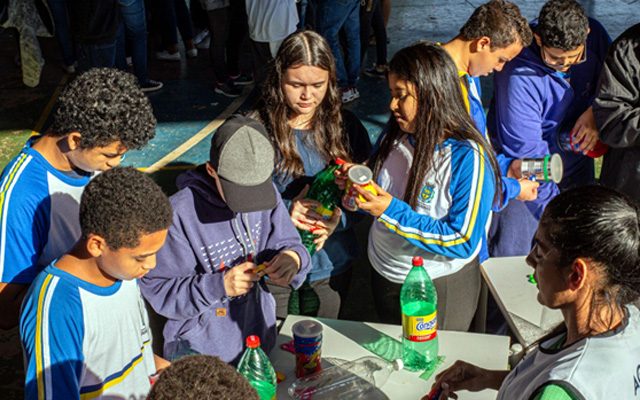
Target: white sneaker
(202,35)
(166,56)
(192,53)
(355,92)
(349,95)
(204,44)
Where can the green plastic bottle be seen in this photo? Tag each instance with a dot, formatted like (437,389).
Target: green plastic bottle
(257,369)
(419,300)
(325,191)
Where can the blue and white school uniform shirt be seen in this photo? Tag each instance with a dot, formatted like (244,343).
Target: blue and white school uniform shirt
(83,341)
(39,220)
(450,220)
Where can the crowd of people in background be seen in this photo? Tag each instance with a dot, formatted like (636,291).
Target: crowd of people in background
(83,241)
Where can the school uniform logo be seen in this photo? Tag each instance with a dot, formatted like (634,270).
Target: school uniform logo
(426,195)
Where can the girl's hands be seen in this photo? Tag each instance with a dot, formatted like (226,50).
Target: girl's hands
(322,234)
(303,213)
(374,204)
(341,175)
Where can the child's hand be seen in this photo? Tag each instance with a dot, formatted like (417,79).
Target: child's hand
(341,175)
(283,267)
(240,279)
(528,190)
(461,376)
(322,234)
(585,131)
(303,214)
(374,204)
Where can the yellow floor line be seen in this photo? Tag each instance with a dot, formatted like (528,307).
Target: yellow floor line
(197,138)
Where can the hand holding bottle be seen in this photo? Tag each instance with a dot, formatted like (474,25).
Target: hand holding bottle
(303,214)
(375,204)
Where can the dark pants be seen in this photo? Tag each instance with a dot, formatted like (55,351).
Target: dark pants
(97,55)
(372,18)
(331,294)
(218,49)
(170,14)
(135,37)
(334,15)
(261,59)
(61,20)
(237,33)
(458,298)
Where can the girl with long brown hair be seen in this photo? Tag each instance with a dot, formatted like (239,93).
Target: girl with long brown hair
(436,184)
(302,111)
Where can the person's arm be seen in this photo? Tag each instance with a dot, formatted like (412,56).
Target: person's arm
(52,332)
(174,288)
(21,243)
(284,238)
(464,376)
(518,116)
(617,104)
(457,235)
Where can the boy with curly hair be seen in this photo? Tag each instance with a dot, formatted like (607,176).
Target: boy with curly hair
(84,326)
(201,377)
(99,116)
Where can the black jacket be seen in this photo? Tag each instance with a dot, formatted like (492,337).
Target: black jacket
(617,113)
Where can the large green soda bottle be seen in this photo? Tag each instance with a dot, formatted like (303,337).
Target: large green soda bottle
(418,300)
(257,369)
(325,191)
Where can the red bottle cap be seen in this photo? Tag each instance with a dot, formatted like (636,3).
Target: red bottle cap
(253,342)
(599,150)
(340,161)
(417,261)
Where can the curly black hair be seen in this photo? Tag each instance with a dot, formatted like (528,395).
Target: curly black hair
(500,21)
(121,205)
(562,24)
(201,377)
(105,105)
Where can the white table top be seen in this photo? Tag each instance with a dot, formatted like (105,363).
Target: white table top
(344,339)
(517,298)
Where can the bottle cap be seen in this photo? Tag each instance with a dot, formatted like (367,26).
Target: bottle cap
(417,261)
(340,161)
(253,341)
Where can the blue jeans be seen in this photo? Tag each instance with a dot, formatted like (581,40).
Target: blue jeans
(332,16)
(135,35)
(97,56)
(61,20)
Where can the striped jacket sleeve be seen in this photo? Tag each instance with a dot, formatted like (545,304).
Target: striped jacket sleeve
(51,329)
(458,234)
(24,225)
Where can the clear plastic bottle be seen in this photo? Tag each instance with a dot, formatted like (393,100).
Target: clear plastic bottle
(257,369)
(346,381)
(418,300)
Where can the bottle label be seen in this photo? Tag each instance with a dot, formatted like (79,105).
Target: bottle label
(325,212)
(419,329)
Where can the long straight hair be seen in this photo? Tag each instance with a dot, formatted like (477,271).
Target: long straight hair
(441,114)
(305,48)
